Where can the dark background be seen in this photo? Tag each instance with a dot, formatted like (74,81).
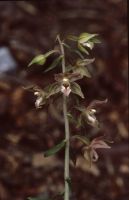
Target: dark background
(26,29)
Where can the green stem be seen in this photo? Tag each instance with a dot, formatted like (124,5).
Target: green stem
(67,132)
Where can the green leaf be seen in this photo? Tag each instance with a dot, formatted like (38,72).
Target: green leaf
(55,149)
(82,49)
(50,52)
(81,109)
(54,63)
(85,37)
(79,54)
(95,40)
(74,50)
(69,68)
(40,60)
(72,37)
(79,122)
(85,62)
(66,45)
(83,71)
(83,139)
(52,89)
(76,89)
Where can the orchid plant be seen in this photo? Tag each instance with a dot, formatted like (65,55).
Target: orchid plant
(64,85)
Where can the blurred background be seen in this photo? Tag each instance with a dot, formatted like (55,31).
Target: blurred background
(26,29)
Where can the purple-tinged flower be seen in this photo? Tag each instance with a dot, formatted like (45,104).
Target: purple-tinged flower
(64,79)
(90,150)
(91,110)
(88,113)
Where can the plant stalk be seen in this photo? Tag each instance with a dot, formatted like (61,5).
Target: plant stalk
(67,132)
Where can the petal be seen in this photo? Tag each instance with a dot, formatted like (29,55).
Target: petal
(100,144)
(38,102)
(91,119)
(68,91)
(96,103)
(94,155)
(65,91)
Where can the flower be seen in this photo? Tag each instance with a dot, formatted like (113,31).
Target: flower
(64,79)
(41,98)
(90,150)
(89,112)
(65,87)
(91,118)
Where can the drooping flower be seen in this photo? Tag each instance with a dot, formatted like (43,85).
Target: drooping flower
(90,150)
(91,110)
(40,93)
(39,100)
(41,97)
(88,113)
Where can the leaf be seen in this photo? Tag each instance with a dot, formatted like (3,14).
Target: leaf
(69,68)
(82,49)
(55,149)
(83,139)
(81,109)
(54,63)
(72,37)
(85,37)
(73,50)
(77,89)
(83,71)
(85,62)
(79,54)
(40,60)
(29,87)
(95,40)
(67,46)
(50,52)
(52,89)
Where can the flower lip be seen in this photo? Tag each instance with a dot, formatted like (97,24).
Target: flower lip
(65,90)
